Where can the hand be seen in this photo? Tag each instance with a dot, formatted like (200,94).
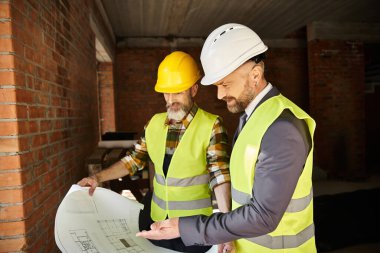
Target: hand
(89,181)
(162,230)
(226,247)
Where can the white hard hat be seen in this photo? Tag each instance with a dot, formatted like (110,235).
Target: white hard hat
(227,48)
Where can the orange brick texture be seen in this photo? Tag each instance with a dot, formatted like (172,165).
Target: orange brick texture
(107,97)
(48,115)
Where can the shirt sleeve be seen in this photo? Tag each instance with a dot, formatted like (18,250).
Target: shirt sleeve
(283,153)
(137,158)
(217,155)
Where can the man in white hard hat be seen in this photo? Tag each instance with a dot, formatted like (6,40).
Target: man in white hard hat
(188,147)
(271,160)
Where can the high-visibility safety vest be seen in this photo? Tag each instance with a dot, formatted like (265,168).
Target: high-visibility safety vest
(185,189)
(295,232)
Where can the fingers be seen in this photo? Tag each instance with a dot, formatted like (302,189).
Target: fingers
(161,224)
(227,247)
(152,234)
(91,190)
(162,230)
(89,181)
(220,248)
(155,226)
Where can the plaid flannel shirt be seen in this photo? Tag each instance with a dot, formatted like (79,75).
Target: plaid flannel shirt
(217,155)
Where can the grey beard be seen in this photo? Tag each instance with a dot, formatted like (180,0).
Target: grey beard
(177,116)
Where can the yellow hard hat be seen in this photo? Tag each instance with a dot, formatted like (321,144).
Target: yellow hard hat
(177,73)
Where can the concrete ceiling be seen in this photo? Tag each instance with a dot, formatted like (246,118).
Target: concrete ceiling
(271,19)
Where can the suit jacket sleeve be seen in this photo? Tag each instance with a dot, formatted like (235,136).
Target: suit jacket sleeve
(283,153)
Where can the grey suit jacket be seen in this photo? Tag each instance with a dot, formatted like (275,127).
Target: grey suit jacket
(284,149)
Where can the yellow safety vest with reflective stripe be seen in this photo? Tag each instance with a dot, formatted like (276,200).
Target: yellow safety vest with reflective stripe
(185,190)
(295,232)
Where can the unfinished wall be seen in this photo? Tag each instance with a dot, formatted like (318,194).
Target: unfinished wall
(107,97)
(48,115)
(286,68)
(336,76)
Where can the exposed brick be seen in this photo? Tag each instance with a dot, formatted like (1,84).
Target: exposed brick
(10,162)
(4,10)
(13,111)
(336,77)
(12,212)
(7,95)
(11,245)
(5,28)
(54,69)
(7,78)
(11,196)
(39,245)
(37,112)
(9,145)
(39,140)
(24,96)
(12,228)
(8,128)
(10,179)
(6,45)
(31,190)
(107,97)
(7,61)
(8,111)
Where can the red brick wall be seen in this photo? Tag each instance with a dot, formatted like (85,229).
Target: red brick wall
(135,77)
(107,97)
(286,68)
(336,76)
(48,115)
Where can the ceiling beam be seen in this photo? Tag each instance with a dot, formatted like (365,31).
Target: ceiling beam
(366,32)
(160,42)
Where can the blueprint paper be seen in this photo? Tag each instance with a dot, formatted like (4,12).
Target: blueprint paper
(104,222)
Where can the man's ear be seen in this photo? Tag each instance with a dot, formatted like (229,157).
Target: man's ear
(256,73)
(194,90)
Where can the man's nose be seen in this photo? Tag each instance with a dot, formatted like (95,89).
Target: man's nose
(169,98)
(221,92)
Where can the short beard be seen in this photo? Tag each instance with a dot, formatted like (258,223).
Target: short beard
(181,113)
(176,116)
(242,101)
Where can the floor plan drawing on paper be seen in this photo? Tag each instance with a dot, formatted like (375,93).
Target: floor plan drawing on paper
(119,235)
(105,222)
(83,240)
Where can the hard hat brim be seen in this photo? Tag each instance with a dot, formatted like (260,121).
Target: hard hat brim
(170,89)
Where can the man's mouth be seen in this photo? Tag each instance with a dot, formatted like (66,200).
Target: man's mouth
(174,106)
(229,99)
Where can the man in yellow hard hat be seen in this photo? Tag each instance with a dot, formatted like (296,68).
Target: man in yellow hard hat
(188,147)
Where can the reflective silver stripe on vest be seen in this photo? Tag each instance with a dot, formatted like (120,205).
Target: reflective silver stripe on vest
(160,179)
(239,197)
(284,241)
(295,205)
(182,205)
(197,180)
